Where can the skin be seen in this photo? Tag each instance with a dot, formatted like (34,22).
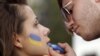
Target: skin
(31,25)
(85,18)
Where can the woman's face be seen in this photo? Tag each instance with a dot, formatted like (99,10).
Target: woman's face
(35,35)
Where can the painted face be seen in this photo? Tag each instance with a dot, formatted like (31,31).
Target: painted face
(84,19)
(35,40)
(35,35)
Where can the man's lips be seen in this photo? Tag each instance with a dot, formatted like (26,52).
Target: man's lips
(75,28)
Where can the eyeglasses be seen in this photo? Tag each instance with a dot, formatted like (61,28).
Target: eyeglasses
(65,12)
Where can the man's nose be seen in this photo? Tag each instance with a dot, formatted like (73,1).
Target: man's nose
(69,24)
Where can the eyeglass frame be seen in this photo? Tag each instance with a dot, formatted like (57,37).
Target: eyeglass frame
(65,12)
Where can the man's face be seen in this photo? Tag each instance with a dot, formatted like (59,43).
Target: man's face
(84,19)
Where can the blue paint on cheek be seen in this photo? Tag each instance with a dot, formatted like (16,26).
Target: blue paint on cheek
(35,37)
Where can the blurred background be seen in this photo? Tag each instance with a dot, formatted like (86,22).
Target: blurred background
(50,16)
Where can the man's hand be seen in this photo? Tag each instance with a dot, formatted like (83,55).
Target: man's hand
(68,49)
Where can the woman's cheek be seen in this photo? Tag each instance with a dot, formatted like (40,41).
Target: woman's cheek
(35,40)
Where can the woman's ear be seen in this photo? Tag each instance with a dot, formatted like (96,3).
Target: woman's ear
(17,40)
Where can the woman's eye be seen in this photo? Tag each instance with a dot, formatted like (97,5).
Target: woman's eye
(36,24)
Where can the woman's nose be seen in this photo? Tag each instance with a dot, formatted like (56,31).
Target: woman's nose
(46,31)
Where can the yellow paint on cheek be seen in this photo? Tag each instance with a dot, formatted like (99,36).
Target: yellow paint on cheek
(36,43)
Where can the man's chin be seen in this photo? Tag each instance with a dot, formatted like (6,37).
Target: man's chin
(89,37)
